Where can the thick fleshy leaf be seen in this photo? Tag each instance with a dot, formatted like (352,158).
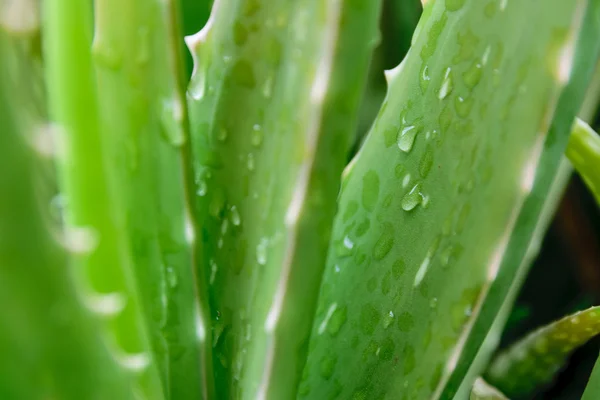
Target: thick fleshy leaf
(440,205)
(592,390)
(94,226)
(534,360)
(273,99)
(584,153)
(145,136)
(49,344)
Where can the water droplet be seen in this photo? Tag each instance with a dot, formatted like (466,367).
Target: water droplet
(398,268)
(327,366)
(222,135)
(243,75)
(171,277)
(425,78)
(268,87)
(235,216)
(454,5)
(426,162)
(257,135)
(399,171)
(490,9)
(472,76)
(369,319)
(386,283)
(57,206)
(370,192)
(405,322)
(261,251)
(337,320)
(445,119)
(463,106)
(350,210)
(467,42)
(433,302)
(385,242)
(362,228)
(217,203)
(406,180)
(410,361)
(432,37)
(213,270)
(412,199)
(171,118)
(447,84)
(240,34)
(348,243)
(250,162)
(388,319)
(202,188)
(406,138)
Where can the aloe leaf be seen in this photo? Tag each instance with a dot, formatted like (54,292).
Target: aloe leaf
(584,153)
(592,390)
(534,360)
(438,208)
(49,344)
(273,98)
(586,54)
(145,131)
(483,391)
(492,339)
(94,227)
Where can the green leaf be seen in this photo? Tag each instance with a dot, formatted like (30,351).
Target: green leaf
(95,232)
(592,390)
(450,184)
(49,343)
(534,360)
(145,136)
(274,97)
(584,153)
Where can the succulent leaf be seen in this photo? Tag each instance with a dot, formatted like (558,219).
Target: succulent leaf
(49,343)
(145,134)
(95,233)
(447,188)
(592,390)
(584,153)
(534,360)
(272,98)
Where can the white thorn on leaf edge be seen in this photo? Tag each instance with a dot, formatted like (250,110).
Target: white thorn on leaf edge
(107,305)
(19,16)
(193,42)
(391,74)
(80,240)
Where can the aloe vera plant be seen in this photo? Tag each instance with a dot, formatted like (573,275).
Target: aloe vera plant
(211,244)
